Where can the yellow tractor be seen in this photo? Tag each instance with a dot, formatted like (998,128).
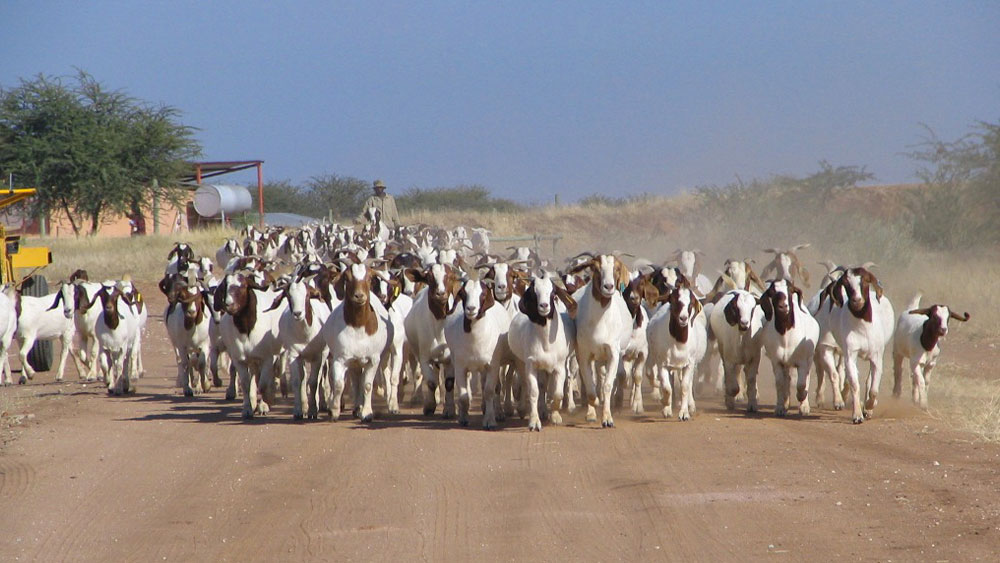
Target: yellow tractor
(17,258)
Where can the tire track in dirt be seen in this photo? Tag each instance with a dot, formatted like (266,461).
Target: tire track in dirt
(16,477)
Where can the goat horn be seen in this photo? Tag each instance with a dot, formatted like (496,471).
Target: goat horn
(955,316)
(584,253)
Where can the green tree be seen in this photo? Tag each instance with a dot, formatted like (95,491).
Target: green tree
(961,203)
(341,195)
(460,198)
(91,151)
(283,197)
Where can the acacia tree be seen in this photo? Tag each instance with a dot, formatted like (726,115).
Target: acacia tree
(91,151)
(961,205)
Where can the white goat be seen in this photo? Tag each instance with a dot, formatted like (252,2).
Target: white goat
(116,332)
(542,338)
(789,336)
(357,332)
(300,331)
(8,326)
(604,327)
(250,333)
(862,324)
(38,319)
(677,342)
(917,339)
(187,323)
(477,337)
(786,265)
(425,333)
(736,321)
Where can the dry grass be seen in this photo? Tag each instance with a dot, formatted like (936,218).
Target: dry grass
(143,258)
(965,401)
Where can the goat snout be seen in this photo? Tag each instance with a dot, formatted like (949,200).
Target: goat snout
(471,312)
(744,326)
(297,315)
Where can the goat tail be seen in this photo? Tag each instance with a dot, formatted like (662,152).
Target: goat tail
(914,303)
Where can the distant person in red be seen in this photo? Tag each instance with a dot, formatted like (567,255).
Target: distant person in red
(138,224)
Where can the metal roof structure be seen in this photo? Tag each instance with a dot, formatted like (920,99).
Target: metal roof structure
(209,169)
(202,170)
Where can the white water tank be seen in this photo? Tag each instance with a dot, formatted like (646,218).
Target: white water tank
(210,199)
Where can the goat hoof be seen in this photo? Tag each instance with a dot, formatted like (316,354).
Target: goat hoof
(463,422)
(297,416)
(368,418)
(22,380)
(858,419)
(608,424)
(189,392)
(428,410)
(780,413)
(230,395)
(684,417)
(247,414)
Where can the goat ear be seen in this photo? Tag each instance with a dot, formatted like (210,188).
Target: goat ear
(696,305)
(835,292)
(55,303)
(415,275)
(752,277)
(340,285)
(277,301)
(567,300)
(765,302)
(732,311)
(488,300)
(528,301)
(870,278)
(219,299)
(459,298)
(649,292)
(797,292)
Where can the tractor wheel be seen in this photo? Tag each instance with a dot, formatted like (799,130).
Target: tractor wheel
(40,355)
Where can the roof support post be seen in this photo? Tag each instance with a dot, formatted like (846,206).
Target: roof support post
(260,194)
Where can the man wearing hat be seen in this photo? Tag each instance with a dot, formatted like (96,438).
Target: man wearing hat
(384,203)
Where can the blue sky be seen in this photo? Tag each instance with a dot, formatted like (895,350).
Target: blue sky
(533,99)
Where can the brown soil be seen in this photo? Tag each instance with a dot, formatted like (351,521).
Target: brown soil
(157,476)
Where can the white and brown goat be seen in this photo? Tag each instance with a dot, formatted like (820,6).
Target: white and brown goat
(917,338)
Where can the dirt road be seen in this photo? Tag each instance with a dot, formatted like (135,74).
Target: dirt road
(161,477)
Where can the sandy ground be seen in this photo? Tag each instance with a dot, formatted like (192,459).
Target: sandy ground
(157,476)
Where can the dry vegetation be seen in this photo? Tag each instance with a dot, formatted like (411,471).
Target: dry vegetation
(868,225)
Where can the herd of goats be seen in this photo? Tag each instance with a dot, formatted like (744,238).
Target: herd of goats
(330,311)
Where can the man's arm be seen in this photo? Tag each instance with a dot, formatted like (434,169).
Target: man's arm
(392,212)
